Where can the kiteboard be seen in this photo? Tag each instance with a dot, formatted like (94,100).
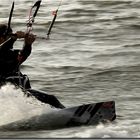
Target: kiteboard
(86,114)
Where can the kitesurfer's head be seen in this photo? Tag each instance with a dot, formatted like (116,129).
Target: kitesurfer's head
(4,29)
(4,32)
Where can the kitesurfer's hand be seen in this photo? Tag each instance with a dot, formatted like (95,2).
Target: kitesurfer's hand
(20,34)
(29,39)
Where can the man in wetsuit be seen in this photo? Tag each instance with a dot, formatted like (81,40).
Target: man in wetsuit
(11,59)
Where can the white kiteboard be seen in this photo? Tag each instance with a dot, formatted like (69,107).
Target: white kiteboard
(87,114)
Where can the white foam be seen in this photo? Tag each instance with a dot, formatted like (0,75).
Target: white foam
(14,105)
(110,130)
(117,130)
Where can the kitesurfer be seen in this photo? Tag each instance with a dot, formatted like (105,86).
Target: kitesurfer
(11,59)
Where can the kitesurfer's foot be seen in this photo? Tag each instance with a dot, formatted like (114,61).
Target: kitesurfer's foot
(61,106)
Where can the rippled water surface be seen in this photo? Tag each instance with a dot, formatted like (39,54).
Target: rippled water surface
(93,55)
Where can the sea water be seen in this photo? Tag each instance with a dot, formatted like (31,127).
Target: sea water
(93,55)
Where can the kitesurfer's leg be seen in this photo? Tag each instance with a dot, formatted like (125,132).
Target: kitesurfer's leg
(24,83)
(45,98)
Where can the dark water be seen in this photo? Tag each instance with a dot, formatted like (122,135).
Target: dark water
(93,55)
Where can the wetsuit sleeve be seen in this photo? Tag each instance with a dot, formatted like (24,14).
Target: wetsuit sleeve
(8,44)
(24,53)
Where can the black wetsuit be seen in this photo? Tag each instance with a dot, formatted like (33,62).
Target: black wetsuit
(10,60)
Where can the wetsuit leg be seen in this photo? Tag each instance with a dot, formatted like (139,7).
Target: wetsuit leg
(45,98)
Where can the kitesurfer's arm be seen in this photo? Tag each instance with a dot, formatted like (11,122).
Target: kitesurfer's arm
(27,47)
(8,41)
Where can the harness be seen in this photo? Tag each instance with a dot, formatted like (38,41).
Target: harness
(19,80)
